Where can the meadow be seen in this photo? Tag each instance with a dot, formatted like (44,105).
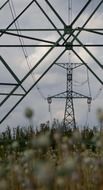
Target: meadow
(51,158)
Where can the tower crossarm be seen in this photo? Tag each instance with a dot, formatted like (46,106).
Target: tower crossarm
(65,65)
(59,95)
(69,95)
(79,95)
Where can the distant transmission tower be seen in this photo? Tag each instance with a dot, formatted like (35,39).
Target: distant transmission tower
(69,120)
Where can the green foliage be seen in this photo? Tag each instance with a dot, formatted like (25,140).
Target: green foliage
(51,158)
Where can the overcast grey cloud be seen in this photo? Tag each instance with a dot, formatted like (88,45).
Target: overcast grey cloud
(55,80)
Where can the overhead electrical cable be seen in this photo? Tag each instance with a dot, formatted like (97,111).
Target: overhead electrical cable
(17,26)
(77,83)
(98,93)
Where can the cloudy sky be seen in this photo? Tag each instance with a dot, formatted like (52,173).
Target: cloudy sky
(55,80)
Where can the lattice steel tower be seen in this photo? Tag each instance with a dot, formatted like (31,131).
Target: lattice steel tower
(39,28)
(69,120)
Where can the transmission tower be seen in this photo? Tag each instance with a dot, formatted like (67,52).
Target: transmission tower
(69,120)
(24,32)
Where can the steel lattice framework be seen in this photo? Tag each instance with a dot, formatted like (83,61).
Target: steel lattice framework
(69,120)
(68,38)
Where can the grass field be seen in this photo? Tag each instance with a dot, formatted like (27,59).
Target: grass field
(51,159)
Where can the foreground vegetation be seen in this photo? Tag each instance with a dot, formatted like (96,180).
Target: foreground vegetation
(51,159)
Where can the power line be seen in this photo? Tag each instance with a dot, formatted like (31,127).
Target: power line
(80,83)
(98,93)
(25,53)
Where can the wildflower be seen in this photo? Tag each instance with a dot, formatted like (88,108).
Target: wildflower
(15,145)
(67,168)
(29,115)
(28,154)
(60,182)
(41,141)
(3,184)
(44,172)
